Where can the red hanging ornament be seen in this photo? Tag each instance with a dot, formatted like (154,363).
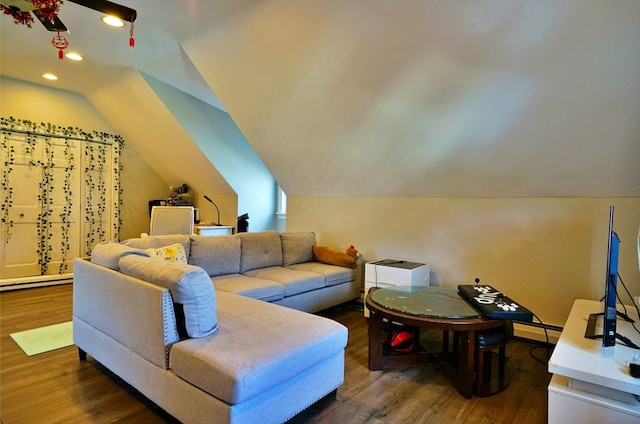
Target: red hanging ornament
(21,10)
(132,41)
(60,43)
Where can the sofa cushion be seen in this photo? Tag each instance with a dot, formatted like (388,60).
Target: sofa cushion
(190,287)
(216,255)
(294,282)
(160,241)
(259,346)
(260,250)
(108,253)
(333,274)
(256,288)
(296,247)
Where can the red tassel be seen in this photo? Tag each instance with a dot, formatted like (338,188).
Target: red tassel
(60,55)
(132,42)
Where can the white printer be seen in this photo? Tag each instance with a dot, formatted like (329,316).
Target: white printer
(392,273)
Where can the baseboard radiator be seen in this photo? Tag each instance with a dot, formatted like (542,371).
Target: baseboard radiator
(36,281)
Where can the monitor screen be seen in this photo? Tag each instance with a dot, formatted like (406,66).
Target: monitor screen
(609,314)
(611,280)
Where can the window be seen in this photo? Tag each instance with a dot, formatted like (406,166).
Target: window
(281,208)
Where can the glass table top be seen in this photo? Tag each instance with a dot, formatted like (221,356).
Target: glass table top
(438,302)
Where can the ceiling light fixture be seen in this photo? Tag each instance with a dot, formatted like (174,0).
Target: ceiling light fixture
(112,21)
(49,77)
(74,56)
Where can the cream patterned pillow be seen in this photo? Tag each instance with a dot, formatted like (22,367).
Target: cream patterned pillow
(174,253)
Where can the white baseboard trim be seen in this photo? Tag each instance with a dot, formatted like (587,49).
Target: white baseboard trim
(30,282)
(535,333)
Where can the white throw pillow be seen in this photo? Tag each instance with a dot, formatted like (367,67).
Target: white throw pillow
(173,253)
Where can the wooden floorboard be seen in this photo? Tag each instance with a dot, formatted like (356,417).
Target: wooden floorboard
(56,387)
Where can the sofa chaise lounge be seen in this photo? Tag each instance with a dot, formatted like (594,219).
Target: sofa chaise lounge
(224,338)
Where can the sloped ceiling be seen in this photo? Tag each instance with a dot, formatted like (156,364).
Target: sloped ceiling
(168,149)
(481,98)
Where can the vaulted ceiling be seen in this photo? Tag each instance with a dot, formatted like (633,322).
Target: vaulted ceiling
(429,98)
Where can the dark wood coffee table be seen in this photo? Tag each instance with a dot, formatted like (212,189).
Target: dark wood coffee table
(427,307)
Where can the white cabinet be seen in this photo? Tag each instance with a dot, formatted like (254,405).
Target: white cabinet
(589,385)
(393,273)
(574,405)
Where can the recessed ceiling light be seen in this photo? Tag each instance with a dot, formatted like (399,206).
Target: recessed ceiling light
(112,21)
(50,77)
(74,56)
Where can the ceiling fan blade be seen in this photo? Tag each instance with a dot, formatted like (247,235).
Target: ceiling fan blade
(109,8)
(51,25)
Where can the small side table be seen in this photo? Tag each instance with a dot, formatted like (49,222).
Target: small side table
(428,307)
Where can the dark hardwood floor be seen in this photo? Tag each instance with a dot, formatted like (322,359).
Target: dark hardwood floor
(55,387)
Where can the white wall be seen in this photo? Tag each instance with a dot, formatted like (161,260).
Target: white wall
(542,252)
(145,121)
(225,147)
(40,103)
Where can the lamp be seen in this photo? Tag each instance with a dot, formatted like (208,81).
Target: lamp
(216,206)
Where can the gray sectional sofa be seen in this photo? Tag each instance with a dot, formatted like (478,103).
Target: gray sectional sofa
(224,338)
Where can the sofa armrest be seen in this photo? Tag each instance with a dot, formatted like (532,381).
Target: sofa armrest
(136,314)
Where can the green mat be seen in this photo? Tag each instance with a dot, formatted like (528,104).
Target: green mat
(44,339)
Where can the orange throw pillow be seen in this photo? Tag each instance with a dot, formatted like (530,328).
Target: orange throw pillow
(330,256)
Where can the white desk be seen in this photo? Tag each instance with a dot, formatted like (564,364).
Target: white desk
(588,386)
(213,230)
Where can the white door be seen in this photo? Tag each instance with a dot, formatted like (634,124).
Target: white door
(58,200)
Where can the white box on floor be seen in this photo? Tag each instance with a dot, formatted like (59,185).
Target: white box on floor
(393,273)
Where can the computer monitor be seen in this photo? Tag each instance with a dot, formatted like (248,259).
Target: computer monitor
(611,282)
(609,314)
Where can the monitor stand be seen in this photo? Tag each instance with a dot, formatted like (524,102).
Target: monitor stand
(592,322)
(590,332)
